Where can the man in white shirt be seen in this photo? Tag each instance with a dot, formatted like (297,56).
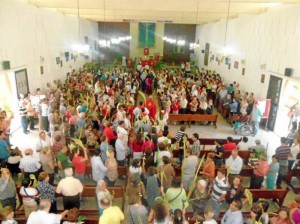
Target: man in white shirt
(164,138)
(29,164)
(98,168)
(234,165)
(243,145)
(234,214)
(42,215)
(183,104)
(121,130)
(121,150)
(62,109)
(43,142)
(161,153)
(189,167)
(71,189)
(45,113)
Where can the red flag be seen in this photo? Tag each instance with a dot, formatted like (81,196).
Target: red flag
(146,51)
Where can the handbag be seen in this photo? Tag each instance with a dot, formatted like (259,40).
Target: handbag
(37,200)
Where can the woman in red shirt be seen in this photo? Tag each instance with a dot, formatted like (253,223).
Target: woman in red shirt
(109,133)
(137,144)
(176,106)
(148,143)
(79,162)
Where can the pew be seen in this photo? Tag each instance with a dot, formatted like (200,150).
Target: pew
(203,141)
(88,219)
(122,170)
(90,192)
(246,171)
(288,179)
(194,117)
(205,117)
(277,195)
(245,155)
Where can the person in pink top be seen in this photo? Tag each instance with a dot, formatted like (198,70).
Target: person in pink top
(260,171)
(295,212)
(69,112)
(72,123)
(148,143)
(79,162)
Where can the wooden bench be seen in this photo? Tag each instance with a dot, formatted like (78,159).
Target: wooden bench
(90,192)
(245,155)
(288,179)
(179,117)
(194,117)
(88,219)
(246,171)
(122,170)
(278,194)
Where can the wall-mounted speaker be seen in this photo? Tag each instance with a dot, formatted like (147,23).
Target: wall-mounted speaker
(288,72)
(202,51)
(6,65)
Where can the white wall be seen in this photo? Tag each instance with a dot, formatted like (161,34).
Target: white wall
(28,33)
(271,38)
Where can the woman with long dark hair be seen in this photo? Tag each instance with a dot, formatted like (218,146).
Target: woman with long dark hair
(159,212)
(255,214)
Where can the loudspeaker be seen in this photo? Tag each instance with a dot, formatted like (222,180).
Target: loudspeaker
(288,72)
(6,65)
(202,51)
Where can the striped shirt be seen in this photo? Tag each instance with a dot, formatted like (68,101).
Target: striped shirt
(22,111)
(219,187)
(179,135)
(29,164)
(282,152)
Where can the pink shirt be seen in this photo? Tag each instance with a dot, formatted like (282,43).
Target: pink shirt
(148,144)
(73,120)
(262,169)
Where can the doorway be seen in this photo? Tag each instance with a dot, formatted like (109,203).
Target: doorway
(289,99)
(274,90)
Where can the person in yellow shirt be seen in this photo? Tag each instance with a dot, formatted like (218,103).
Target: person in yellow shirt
(111,214)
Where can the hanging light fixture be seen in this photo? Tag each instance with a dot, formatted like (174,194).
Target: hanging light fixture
(226,50)
(195,46)
(80,48)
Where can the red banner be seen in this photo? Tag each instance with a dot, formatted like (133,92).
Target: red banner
(146,51)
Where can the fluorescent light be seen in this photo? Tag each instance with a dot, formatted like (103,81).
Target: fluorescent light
(81,48)
(180,42)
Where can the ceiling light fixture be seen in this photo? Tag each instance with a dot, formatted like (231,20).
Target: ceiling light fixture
(80,48)
(226,50)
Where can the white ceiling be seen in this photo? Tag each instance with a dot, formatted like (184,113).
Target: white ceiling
(176,11)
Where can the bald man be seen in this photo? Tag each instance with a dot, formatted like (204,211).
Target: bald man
(29,164)
(42,215)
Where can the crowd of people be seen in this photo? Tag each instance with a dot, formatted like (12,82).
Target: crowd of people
(92,123)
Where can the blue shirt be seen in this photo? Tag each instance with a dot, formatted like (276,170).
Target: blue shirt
(231,217)
(234,107)
(3,149)
(256,115)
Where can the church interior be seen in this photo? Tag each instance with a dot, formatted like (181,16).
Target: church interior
(139,111)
